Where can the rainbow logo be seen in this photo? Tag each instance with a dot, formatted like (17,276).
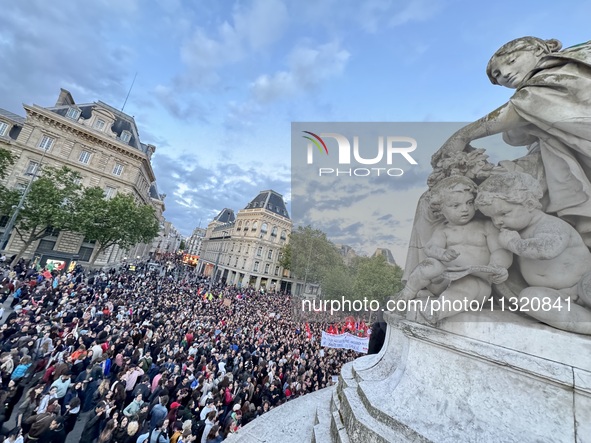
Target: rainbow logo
(318,139)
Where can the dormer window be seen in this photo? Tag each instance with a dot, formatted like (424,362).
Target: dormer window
(73,113)
(99,124)
(3,128)
(125,136)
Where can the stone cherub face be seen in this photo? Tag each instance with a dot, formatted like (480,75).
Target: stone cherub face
(511,68)
(458,207)
(505,215)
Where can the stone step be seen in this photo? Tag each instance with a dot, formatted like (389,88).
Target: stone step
(337,428)
(322,424)
(322,433)
(363,427)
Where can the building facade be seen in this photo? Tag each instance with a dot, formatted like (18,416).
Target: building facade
(94,139)
(168,240)
(195,241)
(245,250)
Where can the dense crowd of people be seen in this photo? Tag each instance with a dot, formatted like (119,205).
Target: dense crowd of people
(148,356)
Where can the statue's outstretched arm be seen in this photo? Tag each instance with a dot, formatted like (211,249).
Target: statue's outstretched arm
(500,120)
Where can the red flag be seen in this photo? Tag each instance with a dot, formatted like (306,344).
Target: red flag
(349,324)
(363,329)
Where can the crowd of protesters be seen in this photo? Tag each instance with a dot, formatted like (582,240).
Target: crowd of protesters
(147,356)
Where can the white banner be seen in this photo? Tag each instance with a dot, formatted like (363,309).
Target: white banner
(345,341)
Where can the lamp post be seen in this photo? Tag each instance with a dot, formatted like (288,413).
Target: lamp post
(19,207)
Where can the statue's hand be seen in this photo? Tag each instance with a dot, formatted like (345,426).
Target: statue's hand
(449,255)
(500,275)
(506,237)
(453,144)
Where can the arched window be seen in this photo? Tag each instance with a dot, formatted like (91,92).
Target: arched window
(274,231)
(255,225)
(264,228)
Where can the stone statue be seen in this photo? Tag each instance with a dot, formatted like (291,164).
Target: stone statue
(463,255)
(550,113)
(553,259)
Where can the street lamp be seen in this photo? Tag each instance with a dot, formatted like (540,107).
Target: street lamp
(21,203)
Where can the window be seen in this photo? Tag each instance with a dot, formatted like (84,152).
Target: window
(236,262)
(109,192)
(99,124)
(3,221)
(125,136)
(84,157)
(267,268)
(283,235)
(264,228)
(118,169)
(255,225)
(32,168)
(77,180)
(256,266)
(276,270)
(73,113)
(246,226)
(243,263)
(46,245)
(239,227)
(85,253)
(259,251)
(52,232)
(20,187)
(274,232)
(3,128)
(270,254)
(46,142)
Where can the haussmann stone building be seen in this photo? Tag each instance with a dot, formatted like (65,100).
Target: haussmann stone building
(94,139)
(244,249)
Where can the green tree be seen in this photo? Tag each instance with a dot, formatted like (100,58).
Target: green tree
(50,205)
(8,197)
(309,255)
(116,221)
(375,279)
(338,282)
(183,245)
(6,161)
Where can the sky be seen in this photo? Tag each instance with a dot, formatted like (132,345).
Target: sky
(219,83)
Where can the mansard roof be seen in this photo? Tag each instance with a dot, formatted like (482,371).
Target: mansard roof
(271,201)
(225,216)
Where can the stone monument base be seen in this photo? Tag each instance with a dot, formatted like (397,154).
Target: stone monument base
(486,377)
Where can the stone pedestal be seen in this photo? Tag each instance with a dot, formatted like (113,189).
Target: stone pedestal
(477,377)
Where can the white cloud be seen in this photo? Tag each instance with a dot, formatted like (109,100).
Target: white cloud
(308,68)
(251,30)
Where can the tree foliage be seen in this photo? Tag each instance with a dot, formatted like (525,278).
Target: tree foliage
(56,200)
(312,258)
(51,202)
(375,279)
(309,255)
(6,161)
(117,221)
(8,198)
